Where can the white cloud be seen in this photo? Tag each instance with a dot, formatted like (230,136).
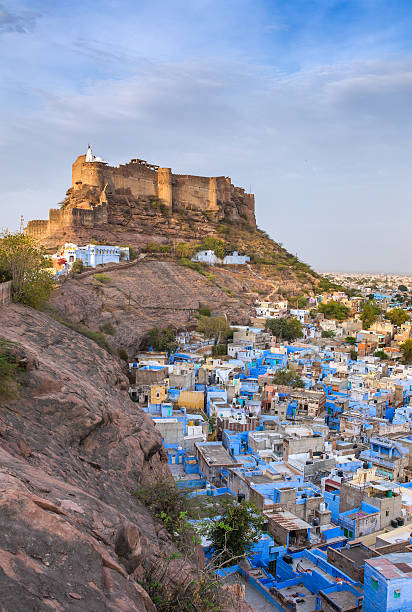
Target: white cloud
(326,149)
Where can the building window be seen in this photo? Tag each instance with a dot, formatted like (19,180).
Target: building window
(374,583)
(397,593)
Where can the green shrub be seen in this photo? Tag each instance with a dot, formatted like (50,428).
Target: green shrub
(77,267)
(193,265)
(102,278)
(184,250)
(107,328)
(204,311)
(96,336)
(9,367)
(123,354)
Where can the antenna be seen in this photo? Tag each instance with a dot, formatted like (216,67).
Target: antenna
(21,230)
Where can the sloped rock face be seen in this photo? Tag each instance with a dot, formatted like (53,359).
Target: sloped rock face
(151,293)
(73,448)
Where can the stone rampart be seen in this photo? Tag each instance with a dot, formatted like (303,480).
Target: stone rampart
(98,189)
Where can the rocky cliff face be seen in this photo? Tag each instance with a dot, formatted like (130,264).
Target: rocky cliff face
(73,448)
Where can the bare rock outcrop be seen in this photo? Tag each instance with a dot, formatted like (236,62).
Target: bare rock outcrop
(73,448)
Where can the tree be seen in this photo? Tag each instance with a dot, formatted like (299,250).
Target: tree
(234,533)
(285,329)
(213,327)
(218,350)
(213,244)
(288,378)
(184,250)
(350,340)
(162,339)
(334,310)
(406,349)
(397,316)
(353,354)
(381,354)
(22,259)
(402,288)
(328,333)
(368,314)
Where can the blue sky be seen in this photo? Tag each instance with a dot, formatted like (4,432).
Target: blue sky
(309,102)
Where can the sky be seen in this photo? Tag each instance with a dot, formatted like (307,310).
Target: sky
(308,103)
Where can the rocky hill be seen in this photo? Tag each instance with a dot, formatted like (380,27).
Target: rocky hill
(158,291)
(73,449)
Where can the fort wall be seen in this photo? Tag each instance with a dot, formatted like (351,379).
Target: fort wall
(97,187)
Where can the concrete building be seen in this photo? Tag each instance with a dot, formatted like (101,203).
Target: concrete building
(386,501)
(214,460)
(388,583)
(287,529)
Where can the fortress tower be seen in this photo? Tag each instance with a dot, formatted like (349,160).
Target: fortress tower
(99,193)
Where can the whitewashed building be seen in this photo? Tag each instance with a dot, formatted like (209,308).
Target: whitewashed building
(92,255)
(272,310)
(209,257)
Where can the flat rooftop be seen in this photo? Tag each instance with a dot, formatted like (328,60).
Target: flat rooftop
(345,600)
(287,520)
(216,454)
(357,553)
(394,565)
(293,593)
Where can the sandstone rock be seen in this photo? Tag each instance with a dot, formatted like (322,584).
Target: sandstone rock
(72,534)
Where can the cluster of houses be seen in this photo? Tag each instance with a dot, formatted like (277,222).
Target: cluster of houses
(328,462)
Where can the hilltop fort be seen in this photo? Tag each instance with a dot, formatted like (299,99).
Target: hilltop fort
(109,201)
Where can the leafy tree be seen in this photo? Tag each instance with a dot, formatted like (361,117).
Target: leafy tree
(288,378)
(328,333)
(169,505)
(161,339)
(213,244)
(368,314)
(285,329)
(219,349)
(354,354)
(397,316)
(22,259)
(381,354)
(406,349)
(350,340)
(213,327)
(402,288)
(334,310)
(234,533)
(184,250)
(303,302)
